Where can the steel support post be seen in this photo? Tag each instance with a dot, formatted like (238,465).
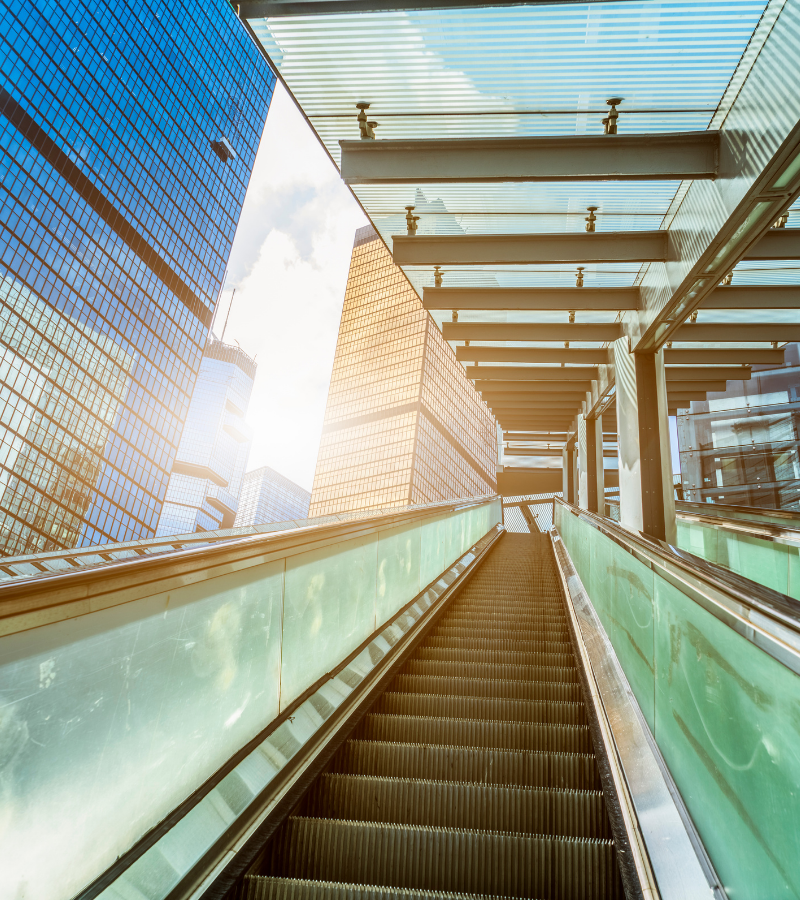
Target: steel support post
(583,467)
(568,484)
(657,496)
(594,466)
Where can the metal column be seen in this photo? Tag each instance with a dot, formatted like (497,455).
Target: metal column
(595,482)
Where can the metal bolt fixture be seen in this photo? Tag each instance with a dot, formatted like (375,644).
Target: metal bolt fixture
(579,276)
(669,345)
(781,221)
(466,343)
(455,315)
(727,279)
(610,122)
(572,317)
(566,345)
(774,345)
(591,219)
(437,276)
(411,221)
(367,134)
(371,126)
(693,317)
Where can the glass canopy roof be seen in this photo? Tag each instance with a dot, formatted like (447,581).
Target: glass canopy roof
(527,71)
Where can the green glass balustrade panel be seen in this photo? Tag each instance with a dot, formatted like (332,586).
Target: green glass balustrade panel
(432,538)
(728,724)
(328,610)
(698,539)
(158,692)
(793,589)
(624,588)
(398,571)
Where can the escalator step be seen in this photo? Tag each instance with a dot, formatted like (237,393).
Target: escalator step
(507,657)
(568,771)
(448,804)
(263,887)
(460,860)
(520,631)
(475,733)
(510,643)
(487,687)
(487,670)
(484,708)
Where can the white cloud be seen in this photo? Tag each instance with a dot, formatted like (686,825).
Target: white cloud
(289,267)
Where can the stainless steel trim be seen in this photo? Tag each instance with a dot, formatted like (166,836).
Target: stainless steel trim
(768,619)
(27,603)
(751,513)
(668,853)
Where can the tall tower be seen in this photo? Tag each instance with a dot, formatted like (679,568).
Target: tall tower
(403,424)
(128,131)
(206,479)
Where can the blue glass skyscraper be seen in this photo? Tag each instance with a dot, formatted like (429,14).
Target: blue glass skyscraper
(128,132)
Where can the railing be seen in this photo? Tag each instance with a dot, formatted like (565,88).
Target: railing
(128,683)
(762,545)
(714,662)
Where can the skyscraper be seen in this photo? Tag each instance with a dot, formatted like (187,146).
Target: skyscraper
(206,479)
(403,424)
(128,132)
(267,496)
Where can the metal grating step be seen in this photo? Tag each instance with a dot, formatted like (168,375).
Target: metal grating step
(459,860)
(263,887)
(513,657)
(489,670)
(566,771)
(508,643)
(487,687)
(475,733)
(448,804)
(485,708)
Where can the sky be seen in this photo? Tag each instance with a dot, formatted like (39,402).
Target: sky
(289,268)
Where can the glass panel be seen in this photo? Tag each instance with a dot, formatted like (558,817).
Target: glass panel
(398,570)
(723,712)
(113,711)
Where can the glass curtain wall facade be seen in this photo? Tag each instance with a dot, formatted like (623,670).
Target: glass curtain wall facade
(403,424)
(128,132)
(206,480)
(740,447)
(267,496)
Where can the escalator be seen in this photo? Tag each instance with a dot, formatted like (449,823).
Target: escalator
(472,774)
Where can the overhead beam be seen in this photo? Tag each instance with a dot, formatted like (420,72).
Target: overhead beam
(534,394)
(711,332)
(676,374)
(480,353)
(777,243)
(275,9)
(532,331)
(680,396)
(534,373)
(531,298)
(532,404)
(568,391)
(717,356)
(751,296)
(523,249)
(584,157)
(534,436)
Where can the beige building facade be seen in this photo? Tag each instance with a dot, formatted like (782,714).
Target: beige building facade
(403,423)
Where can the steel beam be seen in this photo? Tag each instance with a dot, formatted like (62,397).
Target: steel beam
(584,157)
(567,391)
(532,331)
(534,396)
(523,249)
(711,332)
(534,373)
(715,356)
(706,373)
(534,436)
(530,298)
(533,404)
(751,296)
(687,396)
(777,243)
(479,353)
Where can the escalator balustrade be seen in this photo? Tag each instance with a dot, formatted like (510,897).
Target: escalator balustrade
(473,774)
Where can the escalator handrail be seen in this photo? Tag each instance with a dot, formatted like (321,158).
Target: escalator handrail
(765,531)
(47,597)
(767,618)
(750,513)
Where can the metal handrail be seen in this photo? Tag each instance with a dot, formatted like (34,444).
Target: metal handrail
(29,601)
(767,618)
